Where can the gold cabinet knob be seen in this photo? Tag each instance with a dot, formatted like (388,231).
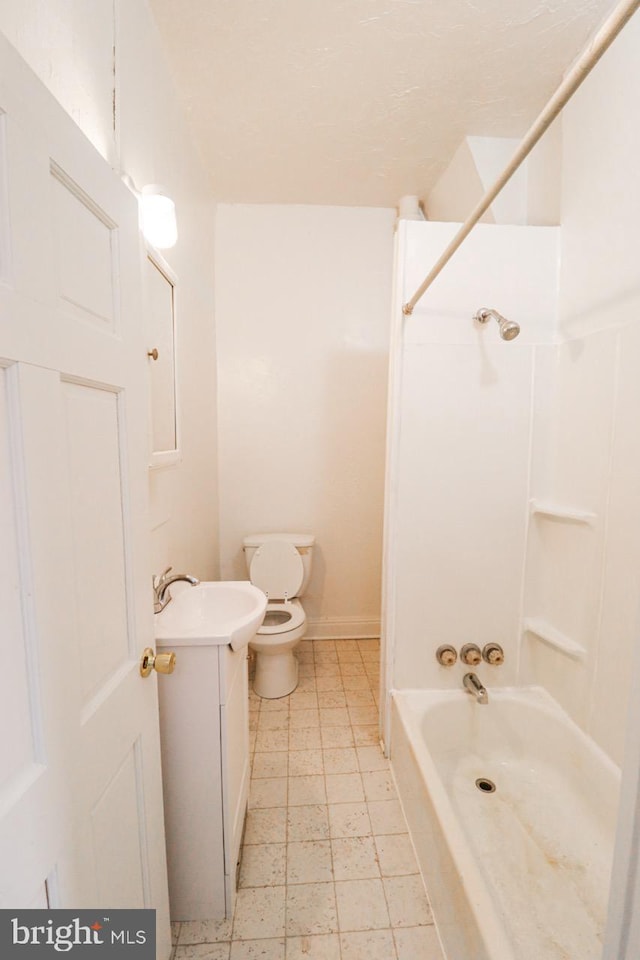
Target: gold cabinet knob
(153,353)
(160,662)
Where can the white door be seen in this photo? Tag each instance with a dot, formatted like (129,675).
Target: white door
(81,822)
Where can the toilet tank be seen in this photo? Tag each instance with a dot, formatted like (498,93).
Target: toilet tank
(303,542)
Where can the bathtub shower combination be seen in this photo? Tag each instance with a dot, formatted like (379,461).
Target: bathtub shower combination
(512,810)
(492,532)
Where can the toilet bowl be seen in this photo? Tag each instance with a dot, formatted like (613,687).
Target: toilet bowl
(280,565)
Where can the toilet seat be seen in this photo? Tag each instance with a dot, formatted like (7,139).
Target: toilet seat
(277,569)
(296,618)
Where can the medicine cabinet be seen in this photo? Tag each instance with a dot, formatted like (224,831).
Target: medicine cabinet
(160,290)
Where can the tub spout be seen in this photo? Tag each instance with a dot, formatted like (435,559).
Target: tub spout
(473,686)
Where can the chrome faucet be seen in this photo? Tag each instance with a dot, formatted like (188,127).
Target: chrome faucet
(473,686)
(161,584)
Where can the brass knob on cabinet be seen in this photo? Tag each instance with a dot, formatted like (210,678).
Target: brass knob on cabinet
(153,353)
(160,662)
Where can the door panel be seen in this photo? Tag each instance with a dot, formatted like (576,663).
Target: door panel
(17,752)
(93,437)
(4,204)
(121,873)
(86,253)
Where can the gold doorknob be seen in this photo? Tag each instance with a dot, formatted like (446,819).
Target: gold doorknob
(160,662)
(165,662)
(153,353)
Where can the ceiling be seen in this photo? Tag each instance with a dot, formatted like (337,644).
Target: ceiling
(359,102)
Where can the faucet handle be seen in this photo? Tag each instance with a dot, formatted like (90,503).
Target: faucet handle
(493,653)
(159,577)
(446,655)
(471,654)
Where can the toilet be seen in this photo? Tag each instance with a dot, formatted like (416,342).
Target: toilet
(280,565)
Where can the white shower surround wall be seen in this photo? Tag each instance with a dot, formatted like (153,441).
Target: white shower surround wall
(461,432)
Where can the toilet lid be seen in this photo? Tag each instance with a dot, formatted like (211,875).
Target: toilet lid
(277,569)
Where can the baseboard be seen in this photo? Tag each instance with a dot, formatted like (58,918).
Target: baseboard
(342,628)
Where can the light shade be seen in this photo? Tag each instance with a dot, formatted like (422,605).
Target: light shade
(158,212)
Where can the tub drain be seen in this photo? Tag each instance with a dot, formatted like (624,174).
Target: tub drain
(487,786)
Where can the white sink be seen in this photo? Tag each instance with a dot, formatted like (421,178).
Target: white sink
(214,612)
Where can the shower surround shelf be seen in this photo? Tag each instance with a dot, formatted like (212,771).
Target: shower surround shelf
(553,638)
(557,511)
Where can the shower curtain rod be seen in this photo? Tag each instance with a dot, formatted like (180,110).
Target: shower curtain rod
(580,70)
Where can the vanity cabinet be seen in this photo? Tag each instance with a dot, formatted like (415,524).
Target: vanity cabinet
(204,727)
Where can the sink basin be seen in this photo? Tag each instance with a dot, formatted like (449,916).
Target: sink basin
(214,612)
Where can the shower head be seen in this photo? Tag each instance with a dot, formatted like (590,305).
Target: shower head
(509,329)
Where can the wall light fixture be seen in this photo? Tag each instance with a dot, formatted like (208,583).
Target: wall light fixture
(158,215)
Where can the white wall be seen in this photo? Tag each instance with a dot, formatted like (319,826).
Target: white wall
(70,44)
(531,196)
(302,307)
(458,189)
(460,477)
(155,148)
(592,458)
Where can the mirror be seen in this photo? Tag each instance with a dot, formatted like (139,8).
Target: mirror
(160,289)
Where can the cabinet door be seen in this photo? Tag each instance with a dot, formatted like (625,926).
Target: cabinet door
(191,771)
(234,728)
(160,285)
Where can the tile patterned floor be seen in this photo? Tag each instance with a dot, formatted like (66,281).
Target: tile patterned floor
(328,870)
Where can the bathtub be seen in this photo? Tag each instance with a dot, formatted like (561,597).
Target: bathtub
(521,873)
